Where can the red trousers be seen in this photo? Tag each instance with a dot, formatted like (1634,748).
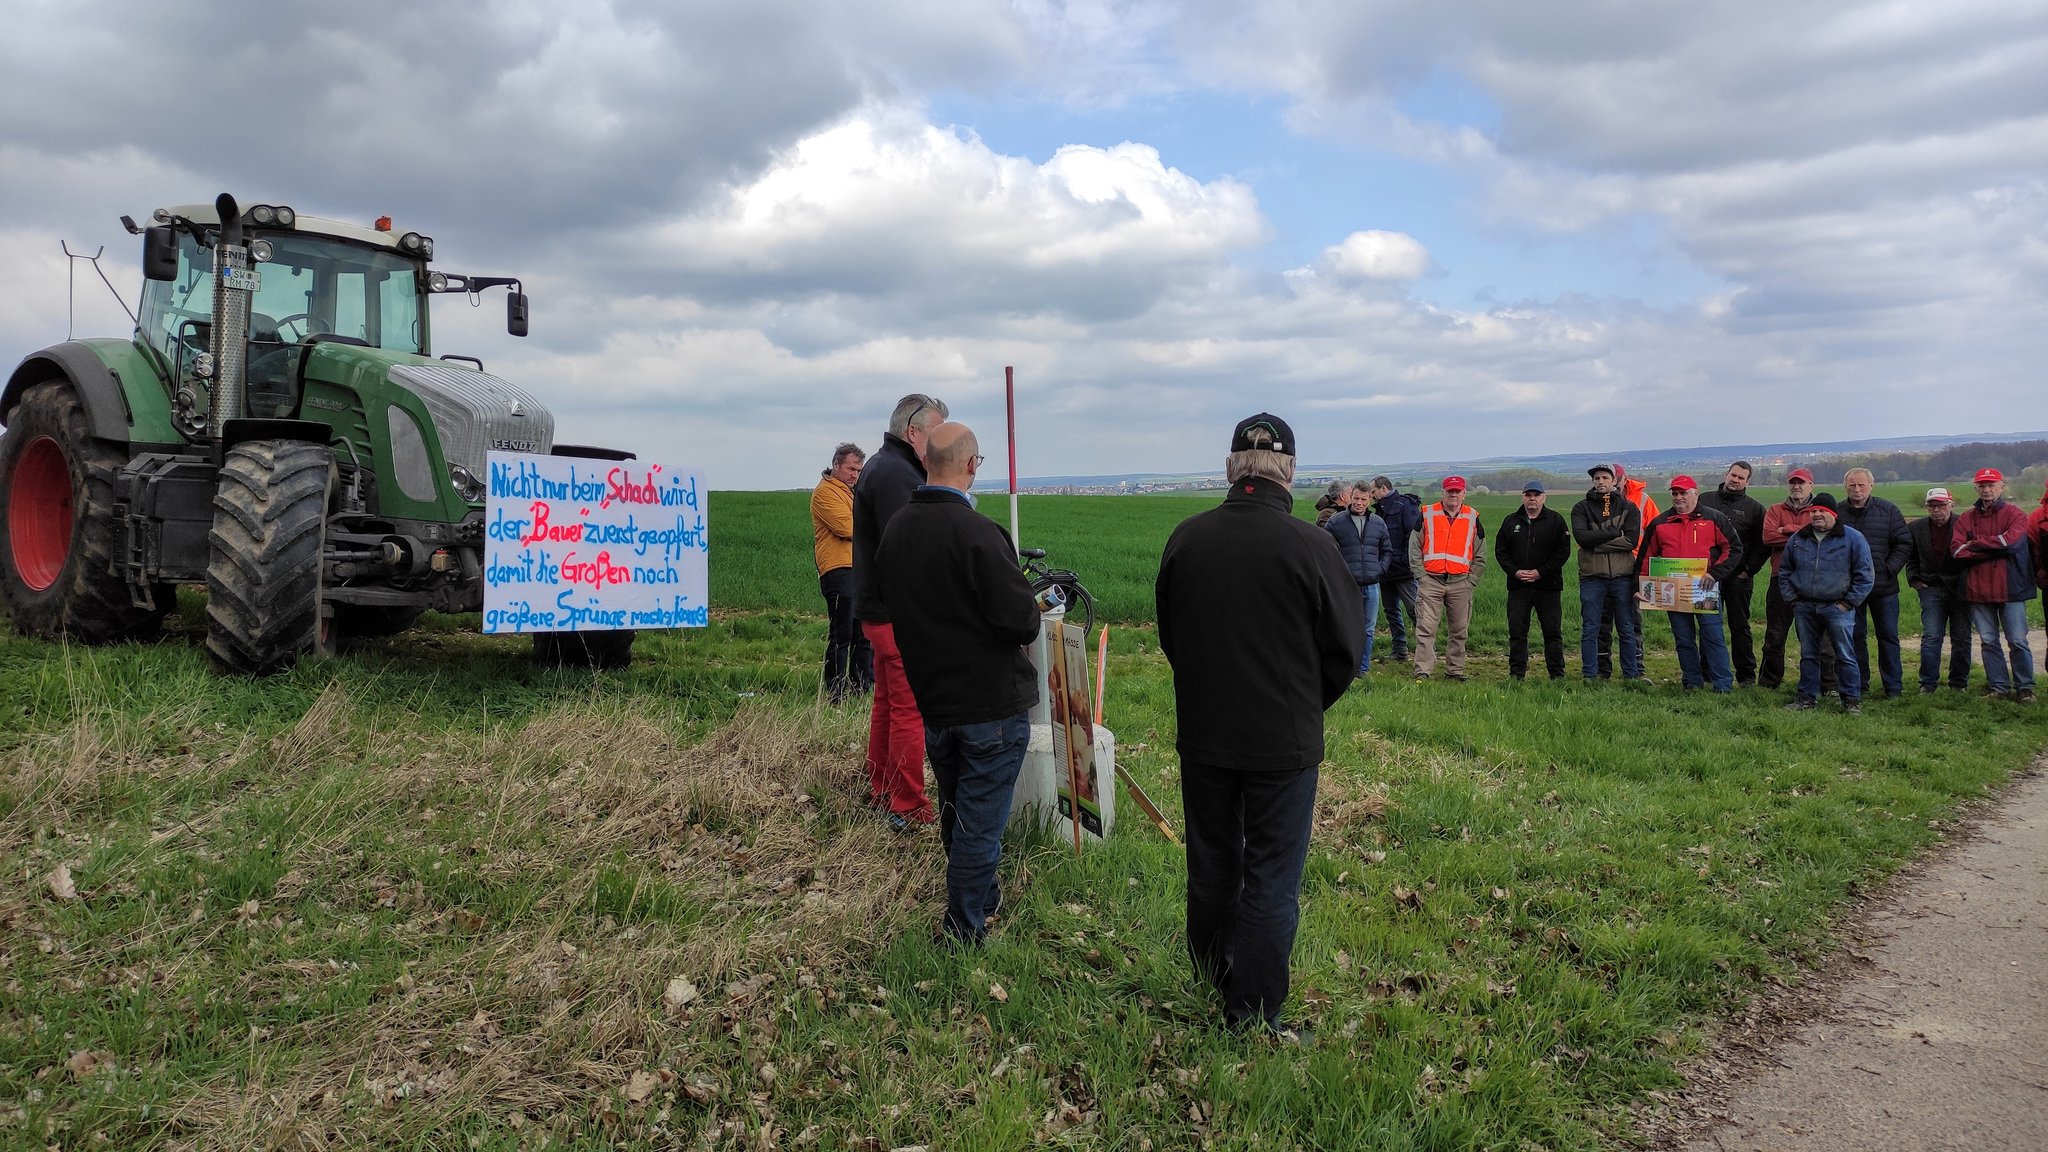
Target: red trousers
(895,729)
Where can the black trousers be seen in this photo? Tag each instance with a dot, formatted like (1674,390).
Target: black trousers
(1737,592)
(1770,669)
(1247,844)
(849,662)
(1548,604)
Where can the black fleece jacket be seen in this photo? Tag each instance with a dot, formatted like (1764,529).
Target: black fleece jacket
(1261,622)
(884,487)
(1745,514)
(1543,543)
(962,609)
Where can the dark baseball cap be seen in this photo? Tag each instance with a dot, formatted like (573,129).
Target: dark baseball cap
(1283,436)
(1533,486)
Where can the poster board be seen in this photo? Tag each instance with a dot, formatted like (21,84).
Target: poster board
(579,545)
(1673,584)
(1073,730)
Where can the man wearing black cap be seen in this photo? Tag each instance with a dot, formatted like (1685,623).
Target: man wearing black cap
(1746,517)
(1260,620)
(1824,573)
(1607,528)
(1532,547)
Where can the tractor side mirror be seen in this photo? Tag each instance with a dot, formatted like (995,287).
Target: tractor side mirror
(515,313)
(160,253)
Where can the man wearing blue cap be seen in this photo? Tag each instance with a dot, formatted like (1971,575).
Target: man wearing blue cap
(1532,547)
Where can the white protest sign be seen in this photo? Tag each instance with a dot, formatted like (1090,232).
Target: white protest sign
(576,545)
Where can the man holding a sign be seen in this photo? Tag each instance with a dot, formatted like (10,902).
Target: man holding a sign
(1687,552)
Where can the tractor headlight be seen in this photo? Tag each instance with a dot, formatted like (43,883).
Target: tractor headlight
(418,245)
(259,250)
(161,215)
(286,217)
(272,216)
(466,484)
(437,281)
(202,365)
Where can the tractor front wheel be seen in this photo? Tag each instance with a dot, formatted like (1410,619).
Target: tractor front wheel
(263,579)
(59,537)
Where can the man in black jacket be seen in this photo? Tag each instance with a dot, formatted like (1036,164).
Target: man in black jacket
(1260,620)
(1884,527)
(1400,588)
(963,612)
(1933,570)
(1745,516)
(895,730)
(1532,547)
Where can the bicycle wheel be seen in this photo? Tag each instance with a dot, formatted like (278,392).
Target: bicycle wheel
(1080,604)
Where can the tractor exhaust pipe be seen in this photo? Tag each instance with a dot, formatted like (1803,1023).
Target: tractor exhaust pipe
(231,290)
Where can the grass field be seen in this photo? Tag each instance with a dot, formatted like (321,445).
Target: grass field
(427,896)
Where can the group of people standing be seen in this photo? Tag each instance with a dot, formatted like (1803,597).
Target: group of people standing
(930,612)
(1835,567)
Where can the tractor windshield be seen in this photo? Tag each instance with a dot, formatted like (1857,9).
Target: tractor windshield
(311,284)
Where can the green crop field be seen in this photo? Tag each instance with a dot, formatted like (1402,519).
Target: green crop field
(427,896)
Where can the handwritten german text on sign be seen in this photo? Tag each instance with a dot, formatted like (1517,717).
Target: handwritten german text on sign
(575,545)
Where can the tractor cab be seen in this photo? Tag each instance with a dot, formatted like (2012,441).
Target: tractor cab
(311,279)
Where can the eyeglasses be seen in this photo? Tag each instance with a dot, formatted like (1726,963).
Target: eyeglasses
(977,461)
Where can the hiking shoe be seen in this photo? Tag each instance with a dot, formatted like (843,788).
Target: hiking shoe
(905,822)
(1993,694)
(1927,690)
(1800,705)
(2026,696)
(1852,708)
(1421,676)
(1460,677)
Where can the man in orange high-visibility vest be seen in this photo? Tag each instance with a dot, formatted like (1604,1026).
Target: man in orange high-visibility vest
(1447,560)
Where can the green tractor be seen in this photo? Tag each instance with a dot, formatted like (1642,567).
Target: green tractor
(278,429)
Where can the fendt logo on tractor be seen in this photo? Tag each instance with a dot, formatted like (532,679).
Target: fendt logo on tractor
(277,428)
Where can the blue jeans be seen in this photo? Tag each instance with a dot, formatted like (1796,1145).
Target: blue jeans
(1698,633)
(2012,618)
(1369,595)
(1944,614)
(1605,599)
(1397,596)
(976,766)
(1882,617)
(1818,620)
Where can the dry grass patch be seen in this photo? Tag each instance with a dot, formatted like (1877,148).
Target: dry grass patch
(558,904)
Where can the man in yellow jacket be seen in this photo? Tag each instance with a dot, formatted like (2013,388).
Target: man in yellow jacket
(1447,561)
(849,662)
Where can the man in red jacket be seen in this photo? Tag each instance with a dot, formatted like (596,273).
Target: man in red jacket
(1998,581)
(1690,532)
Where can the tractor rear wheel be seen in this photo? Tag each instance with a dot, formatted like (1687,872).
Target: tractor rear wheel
(583,649)
(58,534)
(263,579)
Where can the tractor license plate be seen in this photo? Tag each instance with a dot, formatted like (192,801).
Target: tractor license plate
(247,279)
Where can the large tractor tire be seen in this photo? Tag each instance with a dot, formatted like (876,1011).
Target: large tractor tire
(583,649)
(372,620)
(263,578)
(58,534)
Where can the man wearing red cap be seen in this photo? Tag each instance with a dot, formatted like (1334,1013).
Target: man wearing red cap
(2037,540)
(1446,558)
(1781,522)
(1690,532)
(1998,581)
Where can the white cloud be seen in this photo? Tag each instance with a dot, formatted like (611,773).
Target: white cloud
(1378,255)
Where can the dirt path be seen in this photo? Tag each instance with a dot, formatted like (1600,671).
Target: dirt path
(1937,1036)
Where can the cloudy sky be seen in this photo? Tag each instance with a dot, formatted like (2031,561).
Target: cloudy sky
(1416,230)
